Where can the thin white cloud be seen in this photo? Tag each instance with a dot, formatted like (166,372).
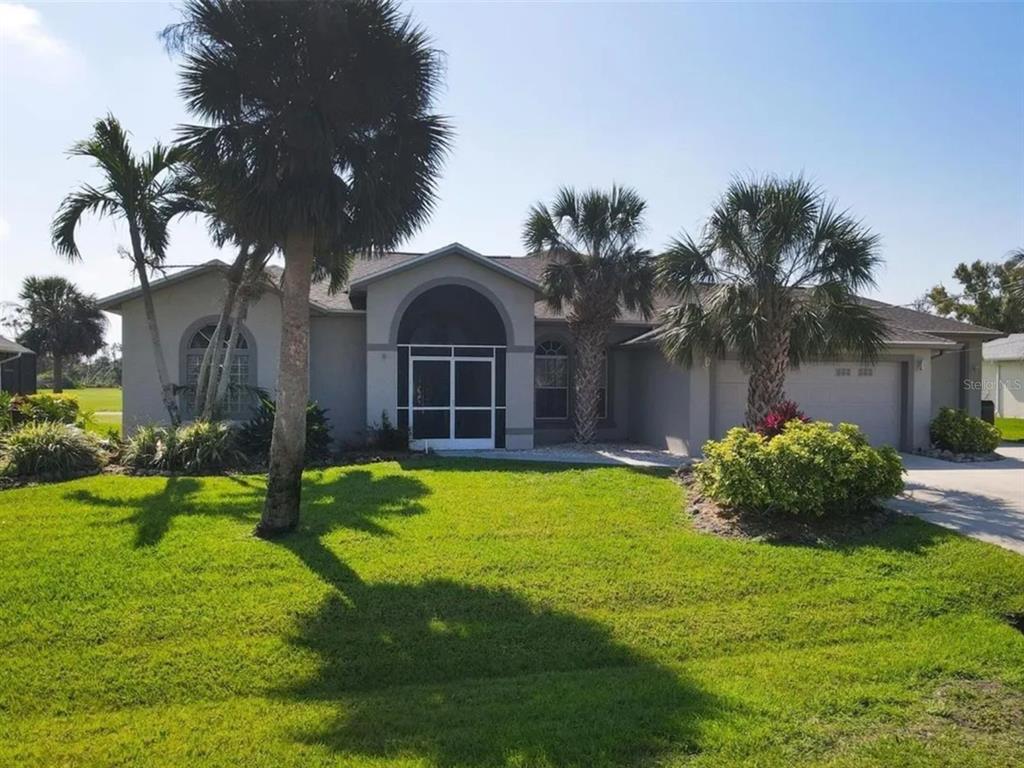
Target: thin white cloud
(22,27)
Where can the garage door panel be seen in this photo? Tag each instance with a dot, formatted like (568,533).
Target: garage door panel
(866,395)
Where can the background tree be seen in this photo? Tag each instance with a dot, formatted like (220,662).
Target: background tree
(143,192)
(318,139)
(58,320)
(595,272)
(773,278)
(987,297)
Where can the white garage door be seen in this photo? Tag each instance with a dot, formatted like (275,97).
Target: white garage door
(866,395)
(1010,400)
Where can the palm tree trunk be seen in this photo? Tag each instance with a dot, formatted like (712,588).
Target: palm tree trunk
(58,373)
(206,384)
(238,316)
(288,444)
(590,343)
(166,387)
(766,386)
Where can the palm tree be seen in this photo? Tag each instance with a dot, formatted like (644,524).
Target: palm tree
(1016,287)
(596,271)
(144,192)
(774,278)
(60,321)
(318,138)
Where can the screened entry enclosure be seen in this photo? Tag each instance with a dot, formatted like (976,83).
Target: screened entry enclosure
(451,370)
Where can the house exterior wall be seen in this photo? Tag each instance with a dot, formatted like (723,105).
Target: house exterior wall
(178,307)
(970,378)
(620,375)
(337,375)
(1005,387)
(660,399)
(946,379)
(386,301)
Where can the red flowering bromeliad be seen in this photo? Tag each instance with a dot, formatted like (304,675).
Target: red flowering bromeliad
(777,418)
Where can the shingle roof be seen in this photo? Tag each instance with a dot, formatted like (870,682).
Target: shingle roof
(8,347)
(907,326)
(1010,348)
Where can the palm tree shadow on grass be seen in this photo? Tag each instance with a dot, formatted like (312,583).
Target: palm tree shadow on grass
(464,675)
(354,500)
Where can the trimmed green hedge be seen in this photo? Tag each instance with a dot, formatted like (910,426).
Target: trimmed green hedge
(954,430)
(809,469)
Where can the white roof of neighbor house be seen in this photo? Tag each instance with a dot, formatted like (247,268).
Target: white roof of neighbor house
(1009,348)
(8,347)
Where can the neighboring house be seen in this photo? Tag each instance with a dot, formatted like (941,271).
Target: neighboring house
(1003,375)
(461,348)
(17,368)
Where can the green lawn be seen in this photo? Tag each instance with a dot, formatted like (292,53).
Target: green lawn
(104,403)
(1011,429)
(473,613)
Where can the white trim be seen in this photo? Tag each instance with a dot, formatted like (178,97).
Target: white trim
(451,442)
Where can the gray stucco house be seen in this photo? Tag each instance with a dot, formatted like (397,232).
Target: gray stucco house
(460,348)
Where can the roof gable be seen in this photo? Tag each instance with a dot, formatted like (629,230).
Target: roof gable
(359,284)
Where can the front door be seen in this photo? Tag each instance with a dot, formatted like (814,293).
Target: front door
(452,401)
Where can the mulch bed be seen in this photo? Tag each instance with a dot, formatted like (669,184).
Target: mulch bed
(710,517)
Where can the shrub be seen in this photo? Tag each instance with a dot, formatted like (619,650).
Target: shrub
(49,448)
(197,448)
(6,411)
(778,417)
(955,430)
(206,446)
(151,447)
(31,409)
(255,435)
(387,437)
(808,469)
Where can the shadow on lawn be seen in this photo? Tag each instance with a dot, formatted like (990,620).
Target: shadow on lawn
(464,675)
(354,499)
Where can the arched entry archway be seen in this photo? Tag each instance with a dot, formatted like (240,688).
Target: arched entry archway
(451,370)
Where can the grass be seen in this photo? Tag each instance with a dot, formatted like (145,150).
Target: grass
(458,613)
(1011,429)
(104,403)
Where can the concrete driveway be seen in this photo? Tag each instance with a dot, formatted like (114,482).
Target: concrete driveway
(982,500)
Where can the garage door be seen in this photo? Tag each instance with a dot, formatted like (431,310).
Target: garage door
(1011,390)
(866,395)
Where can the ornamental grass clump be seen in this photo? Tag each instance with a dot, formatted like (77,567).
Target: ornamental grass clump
(809,469)
(201,447)
(48,448)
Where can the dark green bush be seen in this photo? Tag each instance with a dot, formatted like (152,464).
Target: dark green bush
(255,435)
(809,469)
(954,430)
(387,437)
(49,448)
(31,409)
(200,447)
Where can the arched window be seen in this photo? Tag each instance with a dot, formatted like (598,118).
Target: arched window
(241,378)
(551,380)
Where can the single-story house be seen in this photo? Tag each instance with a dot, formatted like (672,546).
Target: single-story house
(461,348)
(1003,375)
(17,368)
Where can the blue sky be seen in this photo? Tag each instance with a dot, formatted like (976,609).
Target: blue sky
(912,116)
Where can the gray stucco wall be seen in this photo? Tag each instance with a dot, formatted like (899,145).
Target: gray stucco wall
(337,376)
(616,426)
(659,402)
(386,300)
(946,380)
(179,306)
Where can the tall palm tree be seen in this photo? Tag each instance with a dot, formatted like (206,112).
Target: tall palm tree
(1016,287)
(596,271)
(318,137)
(59,320)
(144,192)
(774,278)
